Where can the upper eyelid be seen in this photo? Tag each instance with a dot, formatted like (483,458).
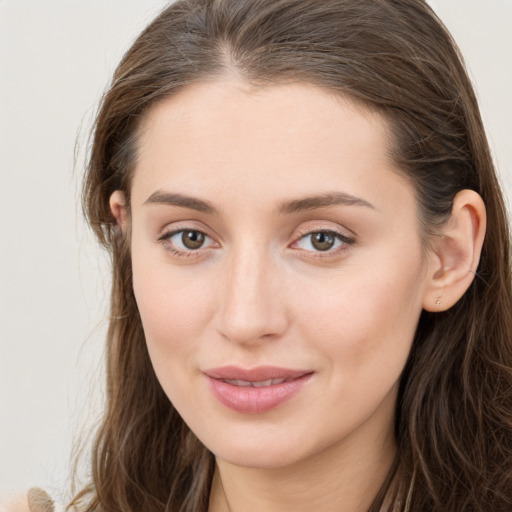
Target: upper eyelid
(191,225)
(336,233)
(317,228)
(166,234)
(175,231)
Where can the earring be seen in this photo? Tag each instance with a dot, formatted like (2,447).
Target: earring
(438,301)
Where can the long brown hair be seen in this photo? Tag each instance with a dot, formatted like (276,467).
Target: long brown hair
(454,410)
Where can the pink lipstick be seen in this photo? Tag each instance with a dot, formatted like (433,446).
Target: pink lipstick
(256,390)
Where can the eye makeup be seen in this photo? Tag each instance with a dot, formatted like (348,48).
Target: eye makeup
(312,243)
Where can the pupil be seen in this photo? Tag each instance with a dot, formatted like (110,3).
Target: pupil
(322,241)
(192,239)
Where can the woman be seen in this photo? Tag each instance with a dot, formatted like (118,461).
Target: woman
(311,302)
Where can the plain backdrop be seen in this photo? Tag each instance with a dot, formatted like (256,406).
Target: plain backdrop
(56,58)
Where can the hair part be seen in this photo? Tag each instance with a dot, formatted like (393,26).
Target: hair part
(454,412)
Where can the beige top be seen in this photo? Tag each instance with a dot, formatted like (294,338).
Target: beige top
(36,500)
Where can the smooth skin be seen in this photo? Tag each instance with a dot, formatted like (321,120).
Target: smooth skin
(269,226)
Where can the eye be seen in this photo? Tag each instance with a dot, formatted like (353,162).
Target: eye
(189,239)
(323,241)
(185,241)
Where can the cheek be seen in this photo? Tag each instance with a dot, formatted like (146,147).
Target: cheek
(173,319)
(175,309)
(365,319)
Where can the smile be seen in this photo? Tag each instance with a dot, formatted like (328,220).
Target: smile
(255,391)
(255,384)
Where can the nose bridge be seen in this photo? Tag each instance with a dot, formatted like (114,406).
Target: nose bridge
(251,308)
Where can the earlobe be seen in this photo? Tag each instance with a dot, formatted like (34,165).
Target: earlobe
(118,207)
(456,253)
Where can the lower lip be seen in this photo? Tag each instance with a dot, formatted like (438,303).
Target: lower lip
(252,400)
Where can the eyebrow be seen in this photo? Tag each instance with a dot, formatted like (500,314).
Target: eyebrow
(322,201)
(173,199)
(286,208)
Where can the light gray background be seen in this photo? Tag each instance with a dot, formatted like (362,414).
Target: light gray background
(55,60)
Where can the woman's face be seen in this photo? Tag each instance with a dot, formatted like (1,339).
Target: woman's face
(278,268)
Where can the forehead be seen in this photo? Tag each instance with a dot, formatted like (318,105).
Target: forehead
(228,136)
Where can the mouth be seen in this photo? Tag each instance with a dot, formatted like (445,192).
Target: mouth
(257,390)
(254,384)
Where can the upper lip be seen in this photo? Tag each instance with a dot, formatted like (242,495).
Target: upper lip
(258,374)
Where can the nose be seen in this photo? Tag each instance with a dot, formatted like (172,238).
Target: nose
(252,304)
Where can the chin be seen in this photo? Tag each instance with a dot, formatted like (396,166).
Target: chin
(260,458)
(267,451)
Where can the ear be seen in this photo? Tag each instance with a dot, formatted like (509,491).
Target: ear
(118,207)
(455,255)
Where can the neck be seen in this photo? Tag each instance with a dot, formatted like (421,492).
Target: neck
(343,478)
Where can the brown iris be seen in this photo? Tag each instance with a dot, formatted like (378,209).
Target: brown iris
(192,239)
(322,240)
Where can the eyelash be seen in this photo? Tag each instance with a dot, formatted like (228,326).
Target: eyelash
(344,242)
(186,253)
